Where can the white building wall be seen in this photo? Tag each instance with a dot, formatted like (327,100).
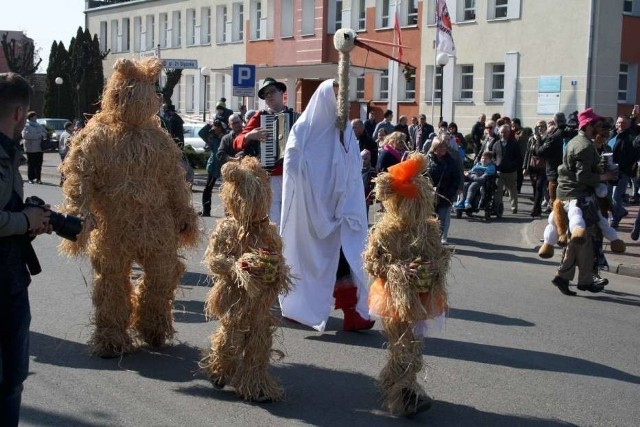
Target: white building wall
(209,54)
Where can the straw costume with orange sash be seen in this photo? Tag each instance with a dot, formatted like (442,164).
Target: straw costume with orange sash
(409,264)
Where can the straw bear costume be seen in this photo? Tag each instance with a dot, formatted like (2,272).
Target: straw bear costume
(122,174)
(245,258)
(405,256)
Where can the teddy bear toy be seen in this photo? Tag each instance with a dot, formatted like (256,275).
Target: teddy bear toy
(567,216)
(244,257)
(405,256)
(123,176)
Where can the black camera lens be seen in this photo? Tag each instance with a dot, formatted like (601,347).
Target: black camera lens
(65,226)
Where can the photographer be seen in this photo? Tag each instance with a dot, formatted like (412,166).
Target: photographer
(18,224)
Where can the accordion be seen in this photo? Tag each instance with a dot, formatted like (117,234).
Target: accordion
(278,127)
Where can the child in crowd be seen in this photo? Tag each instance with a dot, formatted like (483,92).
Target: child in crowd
(475,179)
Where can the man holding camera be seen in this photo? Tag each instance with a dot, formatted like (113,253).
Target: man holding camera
(18,261)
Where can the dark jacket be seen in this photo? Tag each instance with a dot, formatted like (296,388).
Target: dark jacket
(422,133)
(477,133)
(551,152)
(367,143)
(370,127)
(175,128)
(445,176)
(385,161)
(579,172)
(625,154)
(507,156)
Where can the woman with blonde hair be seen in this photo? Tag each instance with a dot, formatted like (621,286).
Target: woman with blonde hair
(392,152)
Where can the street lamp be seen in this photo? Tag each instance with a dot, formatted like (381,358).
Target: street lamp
(59,82)
(204,72)
(442,59)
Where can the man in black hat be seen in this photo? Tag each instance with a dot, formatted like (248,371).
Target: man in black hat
(248,141)
(175,124)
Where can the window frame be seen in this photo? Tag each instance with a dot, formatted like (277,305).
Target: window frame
(381,16)
(493,89)
(358,15)
(191,27)
(286,19)
(149,29)
(126,35)
(221,23)
(308,21)
(176,29)
(466,9)
(237,26)
(464,90)
(623,74)
(205,25)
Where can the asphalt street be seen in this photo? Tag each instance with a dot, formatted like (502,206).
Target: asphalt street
(515,351)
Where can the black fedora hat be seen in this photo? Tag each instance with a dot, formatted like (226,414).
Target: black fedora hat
(270,81)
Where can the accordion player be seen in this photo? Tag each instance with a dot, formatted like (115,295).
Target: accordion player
(278,127)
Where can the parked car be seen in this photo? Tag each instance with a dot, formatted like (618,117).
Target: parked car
(191,136)
(54,127)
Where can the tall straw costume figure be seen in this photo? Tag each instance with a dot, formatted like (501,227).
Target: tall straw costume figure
(409,264)
(245,258)
(123,176)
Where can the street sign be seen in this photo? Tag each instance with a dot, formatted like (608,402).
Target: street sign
(148,53)
(180,63)
(244,80)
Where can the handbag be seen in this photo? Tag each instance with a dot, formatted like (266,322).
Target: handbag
(537,163)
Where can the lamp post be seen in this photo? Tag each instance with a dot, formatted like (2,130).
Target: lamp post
(59,82)
(442,59)
(204,71)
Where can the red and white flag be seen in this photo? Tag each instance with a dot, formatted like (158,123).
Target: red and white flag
(396,29)
(444,36)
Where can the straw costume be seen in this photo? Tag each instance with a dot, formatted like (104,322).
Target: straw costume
(122,174)
(409,264)
(245,258)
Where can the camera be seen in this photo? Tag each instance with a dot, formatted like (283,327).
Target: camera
(65,226)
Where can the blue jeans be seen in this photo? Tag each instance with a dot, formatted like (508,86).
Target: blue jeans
(444,215)
(618,191)
(15,318)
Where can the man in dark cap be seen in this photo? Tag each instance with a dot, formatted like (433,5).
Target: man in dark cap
(174,123)
(248,141)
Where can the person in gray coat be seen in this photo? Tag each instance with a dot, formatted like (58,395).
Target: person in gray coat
(33,134)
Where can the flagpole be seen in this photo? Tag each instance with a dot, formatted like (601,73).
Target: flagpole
(433,80)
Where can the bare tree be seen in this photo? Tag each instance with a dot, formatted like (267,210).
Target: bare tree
(20,54)
(173,78)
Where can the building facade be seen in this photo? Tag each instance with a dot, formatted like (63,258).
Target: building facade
(520,58)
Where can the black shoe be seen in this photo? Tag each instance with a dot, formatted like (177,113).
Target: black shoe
(415,403)
(599,281)
(591,287)
(204,214)
(514,211)
(563,285)
(635,233)
(218,383)
(615,224)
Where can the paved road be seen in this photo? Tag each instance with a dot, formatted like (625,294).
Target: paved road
(515,351)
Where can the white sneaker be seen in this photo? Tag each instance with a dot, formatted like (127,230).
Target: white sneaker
(444,241)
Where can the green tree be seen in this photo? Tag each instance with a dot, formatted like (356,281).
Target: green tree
(59,99)
(87,76)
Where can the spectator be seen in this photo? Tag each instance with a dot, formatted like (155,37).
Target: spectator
(445,176)
(477,135)
(508,160)
(175,124)
(18,226)
(381,134)
(422,133)
(370,124)
(226,152)
(222,112)
(211,134)
(393,150)
(404,128)
(521,135)
(476,178)
(488,140)
(64,143)
(551,152)
(365,141)
(535,166)
(385,123)
(625,155)
(413,127)
(33,134)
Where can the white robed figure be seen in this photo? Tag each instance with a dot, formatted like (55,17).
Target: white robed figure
(323,210)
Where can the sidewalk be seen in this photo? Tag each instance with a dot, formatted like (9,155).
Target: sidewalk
(627,264)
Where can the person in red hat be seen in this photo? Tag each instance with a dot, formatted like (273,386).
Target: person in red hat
(578,176)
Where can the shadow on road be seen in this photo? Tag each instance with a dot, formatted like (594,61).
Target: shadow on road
(176,363)
(35,416)
(617,297)
(191,311)
(491,318)
(195,279)
(502,256)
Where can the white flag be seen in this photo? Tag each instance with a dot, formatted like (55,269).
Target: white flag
(444,36)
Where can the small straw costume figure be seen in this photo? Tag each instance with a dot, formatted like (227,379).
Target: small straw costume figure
(409,264)
(245,258)
(123,175)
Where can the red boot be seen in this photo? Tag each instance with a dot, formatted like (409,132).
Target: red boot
(346,299)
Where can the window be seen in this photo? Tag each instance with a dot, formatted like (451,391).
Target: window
(258,28)
(623,82)
(407,89)
(190,94)
(150,40)
(205,25)
(497,82)
(469,10)
(163,29)
(308,17)
(126,44)
(286,19)
(358,15)
(191,27)
(206,83)
(383,86)
(114,36)
(466,82)
(501,8)
(627,6)
(360,87)
(176,29)
(103,35)
(412,12)
(221,24)
(437,95)
(335,16)
(237,25)
(137,33)
(383,12)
